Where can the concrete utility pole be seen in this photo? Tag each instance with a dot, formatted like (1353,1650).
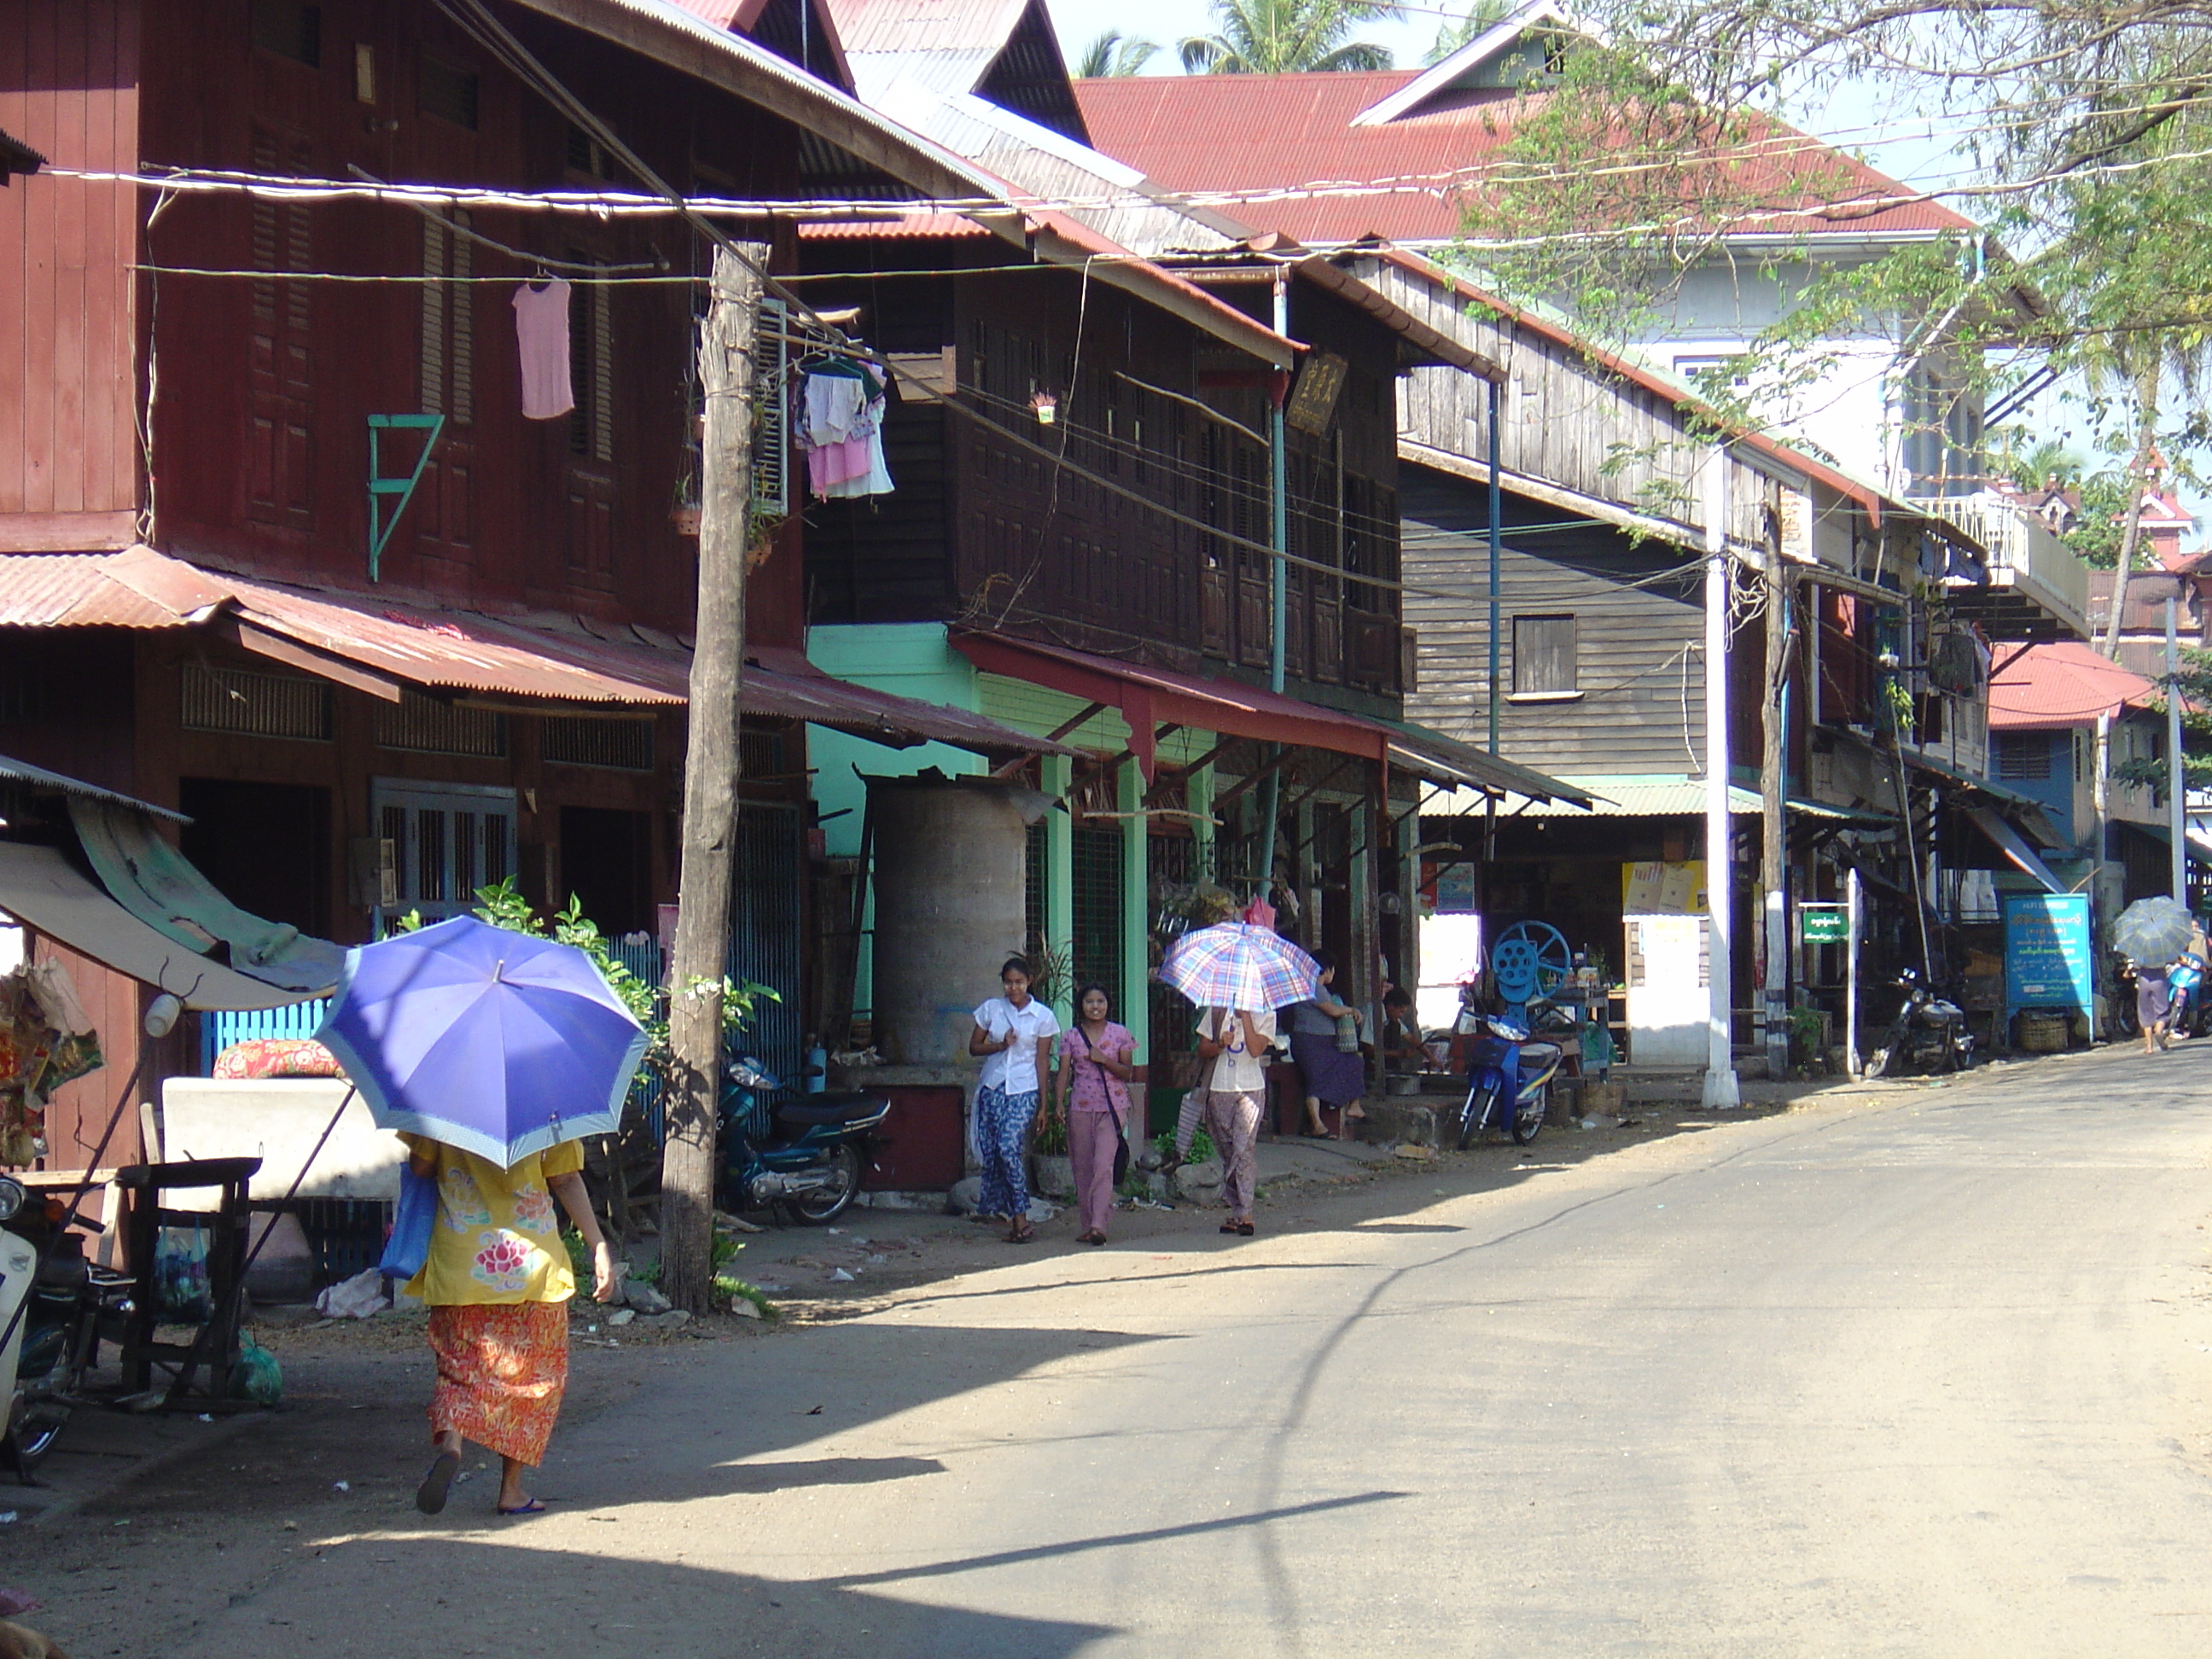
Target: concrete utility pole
(710,780)
(1720,1061)
(2176,773)
(1773,860)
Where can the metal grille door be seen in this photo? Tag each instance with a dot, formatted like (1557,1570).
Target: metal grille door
(766,914)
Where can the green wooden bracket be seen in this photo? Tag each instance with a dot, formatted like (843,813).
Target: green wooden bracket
(399,489)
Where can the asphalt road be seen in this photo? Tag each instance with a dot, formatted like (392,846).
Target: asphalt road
(1931,1374)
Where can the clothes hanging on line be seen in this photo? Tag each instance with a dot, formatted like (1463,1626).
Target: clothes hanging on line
(841,429)
(541,332)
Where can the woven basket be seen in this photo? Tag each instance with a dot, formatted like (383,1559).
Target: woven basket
(2042,1031)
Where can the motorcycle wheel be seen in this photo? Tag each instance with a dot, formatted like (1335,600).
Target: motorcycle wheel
(1528,1115)
(33,1436)
(825,1204)
(1475,1113)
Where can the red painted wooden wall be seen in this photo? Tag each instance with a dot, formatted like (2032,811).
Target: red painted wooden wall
(69,454)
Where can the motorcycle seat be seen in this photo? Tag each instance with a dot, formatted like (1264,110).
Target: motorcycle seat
(842,1107)
(1535,1056)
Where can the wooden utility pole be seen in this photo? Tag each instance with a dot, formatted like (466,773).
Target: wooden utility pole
(710,782)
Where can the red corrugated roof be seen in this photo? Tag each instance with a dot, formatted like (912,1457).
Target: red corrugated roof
(915,227)
(926,25)
(368,641)
(2067,684)
(1402,181)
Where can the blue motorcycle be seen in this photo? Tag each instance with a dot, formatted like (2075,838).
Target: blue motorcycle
(1509,1081)
(804,1153)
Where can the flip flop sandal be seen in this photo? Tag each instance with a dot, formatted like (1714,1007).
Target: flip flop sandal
(1231,1227)
(1244,1229)
(535,1506)
(1023,1236)
(430,1496)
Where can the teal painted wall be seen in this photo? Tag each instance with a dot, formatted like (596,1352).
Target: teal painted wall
(911,659)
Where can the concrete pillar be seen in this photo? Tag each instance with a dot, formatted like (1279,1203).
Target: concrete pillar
(1060,871)
(1366,913)
(1134,995)
(949,906)
(1408,964)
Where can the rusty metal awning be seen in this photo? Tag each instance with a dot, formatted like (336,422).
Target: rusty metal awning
(541,661)
(1147,697)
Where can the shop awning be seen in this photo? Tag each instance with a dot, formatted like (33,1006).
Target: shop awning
(2198,852)
(383,646)
(2026,813)
(2009,842)
(1446,760)
(163,889)
(40,889)
(1149,698)
(38,779)
(1635,796)
(799,691)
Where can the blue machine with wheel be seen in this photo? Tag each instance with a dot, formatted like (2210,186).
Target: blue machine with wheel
(1528,960)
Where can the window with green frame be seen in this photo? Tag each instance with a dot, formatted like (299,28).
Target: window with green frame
(1097,892)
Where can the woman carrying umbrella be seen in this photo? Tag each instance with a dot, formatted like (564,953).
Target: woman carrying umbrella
(498,1286)
(491,1052)
(1238,973)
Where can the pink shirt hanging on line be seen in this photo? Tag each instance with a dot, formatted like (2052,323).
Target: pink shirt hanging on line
(541,330)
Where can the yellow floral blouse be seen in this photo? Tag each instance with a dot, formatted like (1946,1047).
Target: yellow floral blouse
(497,1238)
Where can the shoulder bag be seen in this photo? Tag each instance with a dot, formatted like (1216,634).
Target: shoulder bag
(1120,1128)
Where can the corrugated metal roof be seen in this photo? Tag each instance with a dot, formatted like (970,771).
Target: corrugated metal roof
(16,157)
(39,779)
(1232,708)
(1402,180)
(927,25)
(75,590)
(917,228)
(2066,683)
(547,657)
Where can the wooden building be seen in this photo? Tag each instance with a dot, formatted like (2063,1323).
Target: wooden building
(278,546)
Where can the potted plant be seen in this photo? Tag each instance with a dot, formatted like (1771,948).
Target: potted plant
(1051,1170)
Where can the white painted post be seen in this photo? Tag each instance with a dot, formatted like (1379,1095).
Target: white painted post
(1851,971)
(1721,1089)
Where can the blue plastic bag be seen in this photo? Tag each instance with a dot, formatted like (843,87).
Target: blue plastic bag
(409,1247)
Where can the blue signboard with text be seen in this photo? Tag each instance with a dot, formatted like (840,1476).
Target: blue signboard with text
(2047,951)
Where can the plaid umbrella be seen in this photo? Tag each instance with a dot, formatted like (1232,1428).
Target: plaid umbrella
(2153,930)
(1236,965)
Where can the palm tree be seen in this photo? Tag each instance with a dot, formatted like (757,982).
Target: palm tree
(1276,37)
(1113,53)
(1452,36)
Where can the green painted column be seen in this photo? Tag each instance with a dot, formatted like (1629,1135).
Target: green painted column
(1136,909)
(1060,871)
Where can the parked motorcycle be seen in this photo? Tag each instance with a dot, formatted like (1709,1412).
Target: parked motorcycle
(1928,1034)
(1509,1078)
(804,1153)
(55,1307)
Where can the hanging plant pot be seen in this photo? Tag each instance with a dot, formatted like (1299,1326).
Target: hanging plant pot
(686,519)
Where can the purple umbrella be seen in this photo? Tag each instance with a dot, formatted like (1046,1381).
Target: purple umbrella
(497,1042)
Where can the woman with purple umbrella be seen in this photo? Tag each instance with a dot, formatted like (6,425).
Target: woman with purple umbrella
(498,1287)
(492,1053)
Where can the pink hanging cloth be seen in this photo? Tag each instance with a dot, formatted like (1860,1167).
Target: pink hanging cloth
(541,330)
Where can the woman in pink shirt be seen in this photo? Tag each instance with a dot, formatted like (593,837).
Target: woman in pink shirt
(1095,1057)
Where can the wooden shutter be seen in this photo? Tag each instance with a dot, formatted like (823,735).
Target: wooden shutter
(771,482)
